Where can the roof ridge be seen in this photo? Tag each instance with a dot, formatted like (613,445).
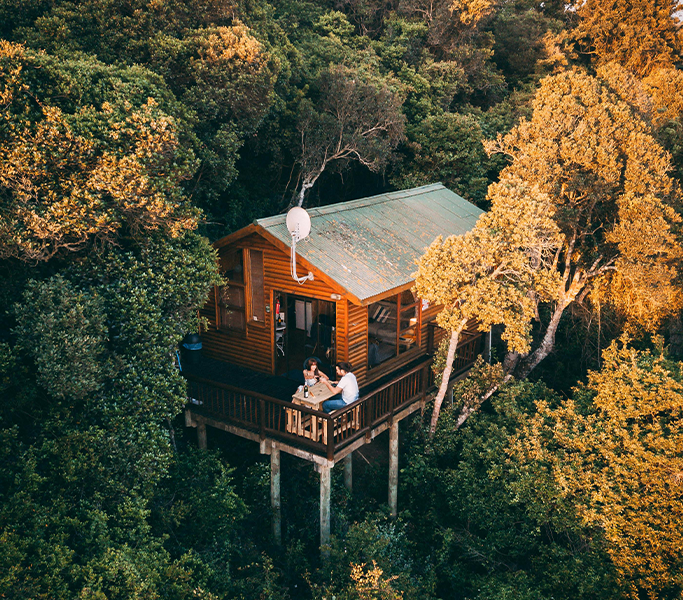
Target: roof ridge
(357,203)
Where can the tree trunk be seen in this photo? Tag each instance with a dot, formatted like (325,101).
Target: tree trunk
(468,410)
(448,369)
(308,183)
(547,344)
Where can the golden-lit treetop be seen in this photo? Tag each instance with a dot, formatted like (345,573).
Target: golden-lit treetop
(641,35)
(496,272)
(620,463)
(608,178)
(586,206)
(68,179)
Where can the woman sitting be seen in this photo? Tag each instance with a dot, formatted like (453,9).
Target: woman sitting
(312,374)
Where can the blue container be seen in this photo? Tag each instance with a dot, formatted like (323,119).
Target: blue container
(191,349)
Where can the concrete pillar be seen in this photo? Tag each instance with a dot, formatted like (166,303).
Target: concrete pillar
(325,490)
(275,501)
(348,472)
(393,469)
(201,435)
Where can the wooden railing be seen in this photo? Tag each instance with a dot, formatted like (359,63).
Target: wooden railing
(313,430)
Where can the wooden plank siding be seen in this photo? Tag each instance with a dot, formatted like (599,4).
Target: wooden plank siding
(357,336)
(254,348)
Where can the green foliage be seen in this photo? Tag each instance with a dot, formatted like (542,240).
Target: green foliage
(64,331)
(486,539)
(447,148)
(120,121)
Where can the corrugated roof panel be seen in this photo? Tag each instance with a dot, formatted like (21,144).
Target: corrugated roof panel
(371,245)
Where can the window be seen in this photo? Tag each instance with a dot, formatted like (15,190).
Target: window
(230,312)
(393,327)
(257,296)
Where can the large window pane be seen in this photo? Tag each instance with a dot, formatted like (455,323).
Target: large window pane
(382,331)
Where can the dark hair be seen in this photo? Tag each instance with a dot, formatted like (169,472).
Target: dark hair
(344,366)
(310,362)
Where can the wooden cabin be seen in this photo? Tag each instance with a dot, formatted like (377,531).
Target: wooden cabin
(359,307)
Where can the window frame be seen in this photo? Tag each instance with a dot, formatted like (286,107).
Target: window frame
(400,308)
(220,306)
(250,288)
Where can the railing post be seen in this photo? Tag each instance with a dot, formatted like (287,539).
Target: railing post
(425,381)
(330,437)
(262,419)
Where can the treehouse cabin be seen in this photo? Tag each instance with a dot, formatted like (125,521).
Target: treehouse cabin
(358,307)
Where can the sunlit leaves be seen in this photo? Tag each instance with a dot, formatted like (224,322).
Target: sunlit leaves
(617,457)
(69,180)
(496,272)
(642,35)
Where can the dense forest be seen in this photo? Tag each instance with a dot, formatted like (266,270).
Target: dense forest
(135,132)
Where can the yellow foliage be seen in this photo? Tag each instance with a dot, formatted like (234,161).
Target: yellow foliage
(496,272)
(62,190)
(589,149)
(665,86)
(620,465)
(470,12)
(226,46)
(586,202)
(370,585)
(641,35)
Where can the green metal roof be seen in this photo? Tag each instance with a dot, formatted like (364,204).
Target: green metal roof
(370,246)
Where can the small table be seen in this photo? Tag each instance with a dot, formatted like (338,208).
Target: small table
(299,423)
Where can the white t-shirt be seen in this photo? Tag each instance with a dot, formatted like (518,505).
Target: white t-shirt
(349,387)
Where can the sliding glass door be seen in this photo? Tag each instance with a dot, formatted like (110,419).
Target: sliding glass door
(304,327)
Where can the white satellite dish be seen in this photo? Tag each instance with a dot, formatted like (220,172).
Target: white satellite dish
(299,226)
(298,223)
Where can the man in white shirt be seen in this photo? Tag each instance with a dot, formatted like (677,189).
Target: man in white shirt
(346,389)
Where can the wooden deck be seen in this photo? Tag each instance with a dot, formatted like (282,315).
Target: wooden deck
(259,407)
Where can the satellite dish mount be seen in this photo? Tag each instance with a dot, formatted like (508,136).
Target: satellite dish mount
(299,226)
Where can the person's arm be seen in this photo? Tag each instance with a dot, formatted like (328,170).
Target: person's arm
(333,389)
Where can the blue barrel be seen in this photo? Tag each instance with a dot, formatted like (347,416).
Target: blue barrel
(191,349)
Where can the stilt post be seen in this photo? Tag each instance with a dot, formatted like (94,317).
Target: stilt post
(325,490)
(201,435)
(393,468)
(348,472)
(275,501)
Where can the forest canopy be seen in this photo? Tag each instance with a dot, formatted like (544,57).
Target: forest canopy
(133,133)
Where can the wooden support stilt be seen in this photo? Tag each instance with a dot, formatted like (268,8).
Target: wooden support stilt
(275,501)
(325,490)
(393,468)
(201,435)
(348,472)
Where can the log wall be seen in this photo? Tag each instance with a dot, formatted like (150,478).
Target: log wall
(254,348)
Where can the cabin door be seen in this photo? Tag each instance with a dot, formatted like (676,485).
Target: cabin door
(304,327)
